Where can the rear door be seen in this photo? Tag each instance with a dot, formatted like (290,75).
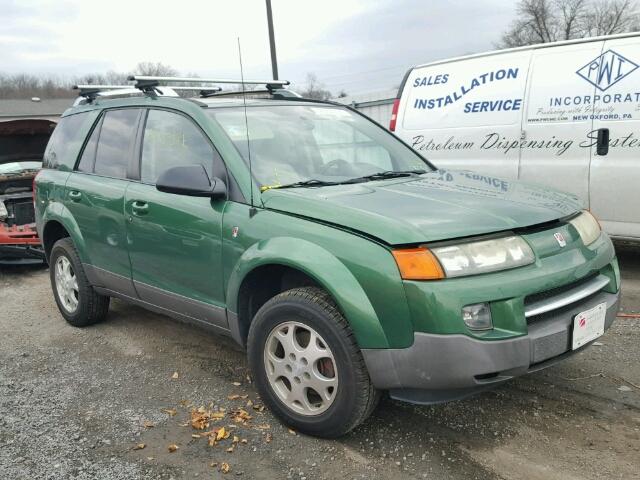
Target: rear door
(467,114)
(95,194)
(175,241)
(615,177)
(558,118)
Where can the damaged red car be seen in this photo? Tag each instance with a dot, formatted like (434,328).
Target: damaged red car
(22,144)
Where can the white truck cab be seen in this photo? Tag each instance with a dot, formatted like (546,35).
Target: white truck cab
(564,114)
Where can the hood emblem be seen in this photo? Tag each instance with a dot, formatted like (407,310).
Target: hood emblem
(560,239)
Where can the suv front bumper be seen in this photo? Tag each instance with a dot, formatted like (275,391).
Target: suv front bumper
(439,368)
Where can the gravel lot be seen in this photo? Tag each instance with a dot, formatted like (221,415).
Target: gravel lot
(74,403)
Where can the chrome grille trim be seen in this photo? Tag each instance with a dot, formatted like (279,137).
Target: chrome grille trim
(566,298)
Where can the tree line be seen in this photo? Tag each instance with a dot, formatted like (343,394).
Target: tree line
(536,21)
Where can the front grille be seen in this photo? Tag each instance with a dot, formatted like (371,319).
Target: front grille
(555,292)
(536,297)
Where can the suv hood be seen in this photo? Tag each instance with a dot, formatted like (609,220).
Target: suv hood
(439,205)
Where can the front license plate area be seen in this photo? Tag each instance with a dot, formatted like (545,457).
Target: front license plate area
(588,325)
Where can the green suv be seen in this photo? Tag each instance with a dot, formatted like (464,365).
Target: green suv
(344,262)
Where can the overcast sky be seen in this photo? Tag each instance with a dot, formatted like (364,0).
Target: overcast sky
(355,45)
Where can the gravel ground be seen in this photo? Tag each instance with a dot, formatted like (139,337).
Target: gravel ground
(74,403)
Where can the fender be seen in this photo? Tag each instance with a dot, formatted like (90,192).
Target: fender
(57,211)
(326,269)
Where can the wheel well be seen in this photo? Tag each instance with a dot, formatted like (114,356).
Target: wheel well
(262,284)
(53,231)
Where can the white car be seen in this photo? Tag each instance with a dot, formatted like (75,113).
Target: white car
(564,114)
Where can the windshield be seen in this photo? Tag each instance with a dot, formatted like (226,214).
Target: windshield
(19,167)
(322,144)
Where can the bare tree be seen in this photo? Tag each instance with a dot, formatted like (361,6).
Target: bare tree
(543,21)
(314,88)
(156,69)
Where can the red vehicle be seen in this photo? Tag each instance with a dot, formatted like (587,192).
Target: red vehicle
(22,144)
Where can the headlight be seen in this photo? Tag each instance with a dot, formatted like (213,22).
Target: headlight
(484,256)
(587,226)
(3,212)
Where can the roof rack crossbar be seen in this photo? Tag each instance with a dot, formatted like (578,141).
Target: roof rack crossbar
(139,78)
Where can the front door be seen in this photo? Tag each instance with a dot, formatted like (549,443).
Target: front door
(175,242)
(615,177)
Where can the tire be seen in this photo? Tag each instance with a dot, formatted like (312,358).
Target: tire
(353,398)
(90,307)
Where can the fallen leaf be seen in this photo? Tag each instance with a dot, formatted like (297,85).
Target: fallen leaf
(233,397)
(217,415)
(230,449)
(169,411)
(264,426)
(173,447)
(268,437)
(221,433)
(195,435)
(213,464)
(237,384)
(200,418)
(149,458)
(139,446)
(148,424)
(292,431)
(225,467)
(175,375)
(241,416)
(236,439)
(244,440)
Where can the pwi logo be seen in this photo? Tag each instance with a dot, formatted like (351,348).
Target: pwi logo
(607,70)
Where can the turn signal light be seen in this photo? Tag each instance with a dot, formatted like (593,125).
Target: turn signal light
(418,264)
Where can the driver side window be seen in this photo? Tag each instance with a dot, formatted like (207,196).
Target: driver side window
(172,140)
(340,141)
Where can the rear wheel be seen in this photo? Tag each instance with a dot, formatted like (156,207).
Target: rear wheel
(77,301)
(307,365)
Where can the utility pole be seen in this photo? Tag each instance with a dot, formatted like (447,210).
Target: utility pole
(272,42)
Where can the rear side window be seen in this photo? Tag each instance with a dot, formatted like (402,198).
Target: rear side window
(172,140)
(116,142)
(89,153)
(65,142)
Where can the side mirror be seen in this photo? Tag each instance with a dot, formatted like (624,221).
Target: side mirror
(190,180)
(602,147)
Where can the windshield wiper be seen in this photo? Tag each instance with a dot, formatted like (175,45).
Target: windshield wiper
(384,175)
(306,183)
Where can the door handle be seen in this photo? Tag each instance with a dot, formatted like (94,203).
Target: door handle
(75,195)
(139,207)
(602,146)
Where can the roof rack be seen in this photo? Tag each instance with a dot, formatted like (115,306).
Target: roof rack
(150,85)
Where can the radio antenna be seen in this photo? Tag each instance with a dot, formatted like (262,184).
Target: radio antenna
(246,124)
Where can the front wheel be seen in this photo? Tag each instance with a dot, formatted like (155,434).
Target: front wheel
(307,365)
